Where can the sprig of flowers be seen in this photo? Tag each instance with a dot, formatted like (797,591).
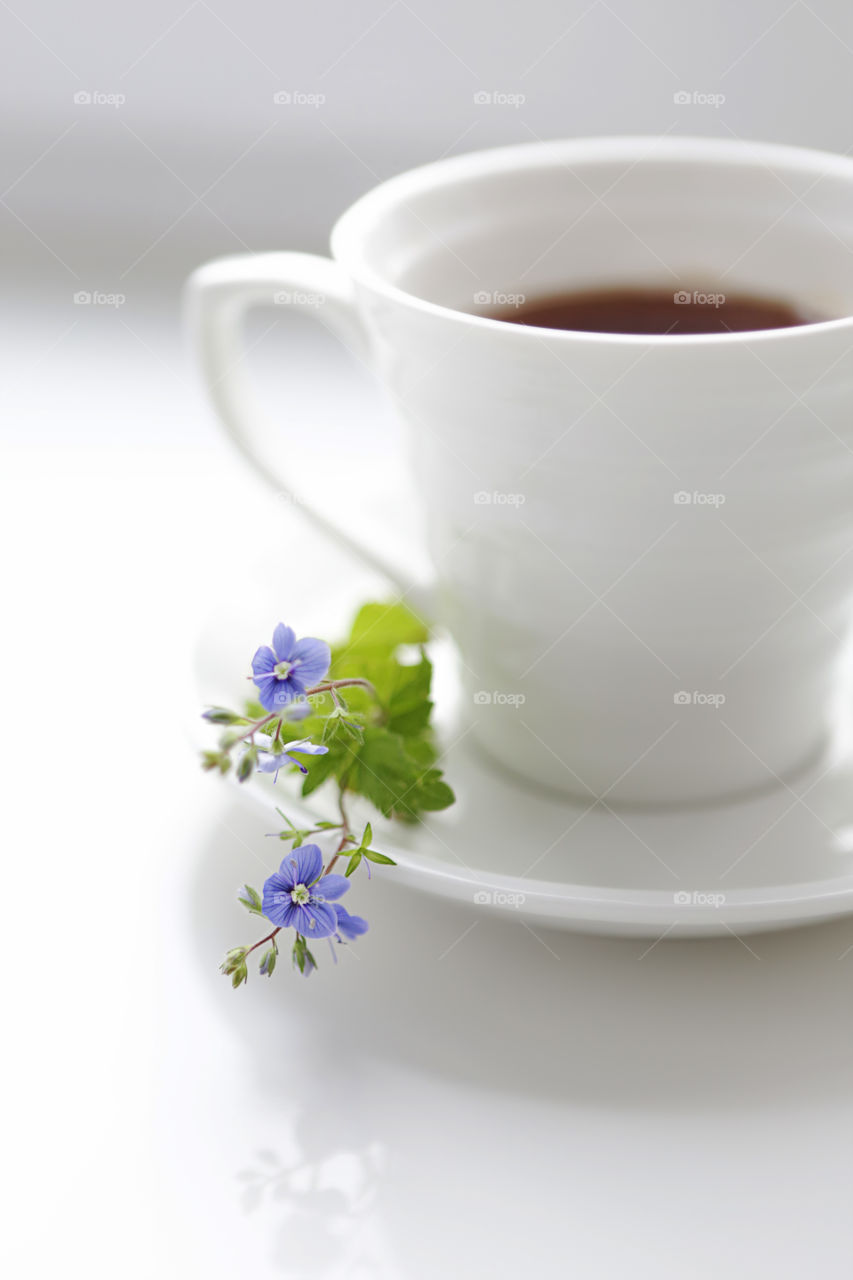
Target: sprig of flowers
(375,740)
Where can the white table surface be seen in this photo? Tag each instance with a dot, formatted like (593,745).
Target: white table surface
(453,1102)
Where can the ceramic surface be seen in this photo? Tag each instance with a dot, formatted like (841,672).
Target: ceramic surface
(643,540)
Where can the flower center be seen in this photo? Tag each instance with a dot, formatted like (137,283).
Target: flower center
(282,670)
(300,895)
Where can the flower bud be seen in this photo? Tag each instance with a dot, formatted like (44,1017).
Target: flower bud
(221,715)
(247,765)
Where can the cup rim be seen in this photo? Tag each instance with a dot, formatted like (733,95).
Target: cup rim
(348,233)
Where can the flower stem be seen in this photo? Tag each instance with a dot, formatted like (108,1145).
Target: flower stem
(330,685)
(268,938)
(346,835)
(253,728)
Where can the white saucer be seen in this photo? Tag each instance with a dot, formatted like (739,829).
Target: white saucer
(781,859)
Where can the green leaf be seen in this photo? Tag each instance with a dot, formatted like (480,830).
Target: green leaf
(353,729)
(409,706)
(433,791)
(373,856)
(319,771)
(383,770)
(367,837)
(354,863)
(384,627)
(422,751)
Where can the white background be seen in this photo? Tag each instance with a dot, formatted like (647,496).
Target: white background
(514,1106)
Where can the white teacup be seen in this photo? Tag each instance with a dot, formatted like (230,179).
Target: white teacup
(641,544)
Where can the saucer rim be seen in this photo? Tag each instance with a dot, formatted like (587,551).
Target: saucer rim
(642,913)
(564,905)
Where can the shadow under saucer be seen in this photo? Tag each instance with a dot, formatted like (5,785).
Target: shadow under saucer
(502,1004)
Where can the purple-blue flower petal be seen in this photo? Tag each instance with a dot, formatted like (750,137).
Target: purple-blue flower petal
(267,688)
(263,661)
(282,911)
(305,747)
(276,903)
(313,658)
(330,887)
(280,881)
(309,863)
(350,927)
(283,639)
(282,692)
(316,920)
(271,764)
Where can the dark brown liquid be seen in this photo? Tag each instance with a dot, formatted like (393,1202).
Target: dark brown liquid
(656,311)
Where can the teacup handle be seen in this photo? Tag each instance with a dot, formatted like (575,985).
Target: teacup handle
(218,296)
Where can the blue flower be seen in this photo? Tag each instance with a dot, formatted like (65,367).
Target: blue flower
(300,897)
(291,666)
(271,763)
(350,927)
